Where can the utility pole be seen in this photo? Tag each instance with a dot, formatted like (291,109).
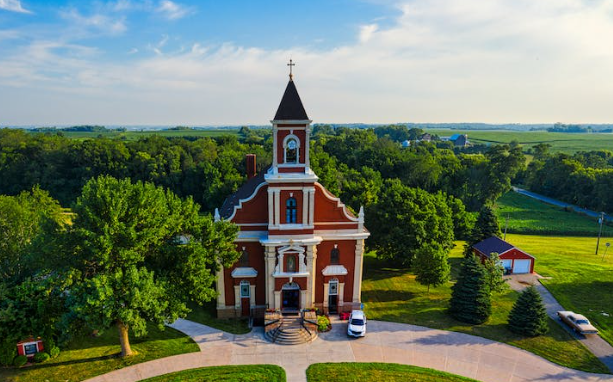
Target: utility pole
(601,221)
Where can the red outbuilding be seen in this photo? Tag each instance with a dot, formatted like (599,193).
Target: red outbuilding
(514,260)
(30,346)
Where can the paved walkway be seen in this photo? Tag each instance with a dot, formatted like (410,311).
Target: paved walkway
(599,347)
(457,353)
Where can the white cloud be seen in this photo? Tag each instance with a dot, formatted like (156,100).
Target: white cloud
(172,10)
(98,21)
(439,61)
(13,6)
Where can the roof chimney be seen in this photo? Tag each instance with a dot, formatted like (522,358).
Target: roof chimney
(250,158)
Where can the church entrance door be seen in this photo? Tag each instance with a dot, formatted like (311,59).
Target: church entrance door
(290,298)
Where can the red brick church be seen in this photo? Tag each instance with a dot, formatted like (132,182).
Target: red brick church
(301,247)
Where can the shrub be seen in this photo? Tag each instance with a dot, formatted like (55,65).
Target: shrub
(41,357)
(323,323)
(54,352)
(20,360)
(8,352)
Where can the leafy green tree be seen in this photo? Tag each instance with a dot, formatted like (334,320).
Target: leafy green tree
(528,315)
(431,265)
(486,225)
(495,272)
(463,221)
(405,219)
(137,254)
(470,297)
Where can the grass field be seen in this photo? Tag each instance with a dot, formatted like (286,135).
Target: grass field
(207,315)
(530,216)
(378,372)
(392,294)
(86,357)
(242,373)
(560,142)
(580,280)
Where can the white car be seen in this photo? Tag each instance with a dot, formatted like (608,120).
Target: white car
(357,324)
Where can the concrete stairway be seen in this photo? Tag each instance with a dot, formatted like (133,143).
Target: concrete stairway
(291,332)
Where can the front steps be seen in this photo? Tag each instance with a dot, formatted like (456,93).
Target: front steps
(291,332)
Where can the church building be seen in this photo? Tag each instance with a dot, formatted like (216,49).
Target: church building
(301,247)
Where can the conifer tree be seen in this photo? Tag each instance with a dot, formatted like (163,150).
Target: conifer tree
(529,316)
(486,225)
(470,299)
(431,265)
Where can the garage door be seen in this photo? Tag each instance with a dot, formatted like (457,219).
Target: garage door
(521,266)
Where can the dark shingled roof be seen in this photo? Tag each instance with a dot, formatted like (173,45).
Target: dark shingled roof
(245,191)
(291,107)
(492,244)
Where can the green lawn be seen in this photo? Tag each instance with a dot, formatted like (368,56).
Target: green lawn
(580,281)
(392,294)
(377,372)
(86,356)
(560,142)
(207,315)
(529,216)
(243,373)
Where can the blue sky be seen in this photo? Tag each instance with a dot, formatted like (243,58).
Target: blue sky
(169,62)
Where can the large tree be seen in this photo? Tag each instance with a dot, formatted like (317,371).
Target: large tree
(470,298)
(139,253)
(528,315)
(486,225)
(404,219)
(431,265)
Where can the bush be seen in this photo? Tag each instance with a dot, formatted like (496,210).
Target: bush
(20,360)
(54,352)
(323,323)
(41,357)
(8,352)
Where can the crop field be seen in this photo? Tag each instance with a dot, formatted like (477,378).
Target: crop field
(529,216)
(560,142)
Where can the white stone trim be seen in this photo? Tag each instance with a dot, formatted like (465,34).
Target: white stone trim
(341,293)
(252,295)
(334,270)
(357,274)
(237,297)
(241,201)
(277,304)
(311,219)
(269,279)
(277,200)
(305,208)
(244,272)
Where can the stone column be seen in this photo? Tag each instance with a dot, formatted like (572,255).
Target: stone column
(341,293)
(311,251)
(221,288)
(271,207)
(312,206)
(303,297)
(237,297)
(305,208)
(357,272)
(277,206)
(277,299)
(326,296)
(269,279)
(252,295)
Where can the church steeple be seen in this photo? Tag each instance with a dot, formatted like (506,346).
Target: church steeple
(291,135)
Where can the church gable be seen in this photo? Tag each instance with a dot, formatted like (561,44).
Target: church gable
(330,209)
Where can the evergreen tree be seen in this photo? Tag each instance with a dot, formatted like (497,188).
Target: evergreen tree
(431,265)
(528,315)
(486,225)
(470,298)
(495,271)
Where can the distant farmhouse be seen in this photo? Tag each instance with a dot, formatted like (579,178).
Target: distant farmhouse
(458,140)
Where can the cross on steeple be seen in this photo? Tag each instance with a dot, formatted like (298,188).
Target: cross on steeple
(291,63)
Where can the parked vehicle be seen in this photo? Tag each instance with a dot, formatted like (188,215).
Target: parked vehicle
(357,324)
(577,322)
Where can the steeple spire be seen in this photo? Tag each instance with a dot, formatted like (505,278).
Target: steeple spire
(291,64)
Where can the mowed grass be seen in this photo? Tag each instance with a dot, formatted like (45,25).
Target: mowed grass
(207,315)
(579,280)
(560,142)
(242,373)
(88,356)
(377,372)
(530,216)
(392,294)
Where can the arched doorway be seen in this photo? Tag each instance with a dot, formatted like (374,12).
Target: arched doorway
(290,297)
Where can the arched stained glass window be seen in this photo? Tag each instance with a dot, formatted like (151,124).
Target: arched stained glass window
(291,210)
(291,151)
(334,256)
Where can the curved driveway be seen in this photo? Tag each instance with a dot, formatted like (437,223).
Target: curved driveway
(457,353)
